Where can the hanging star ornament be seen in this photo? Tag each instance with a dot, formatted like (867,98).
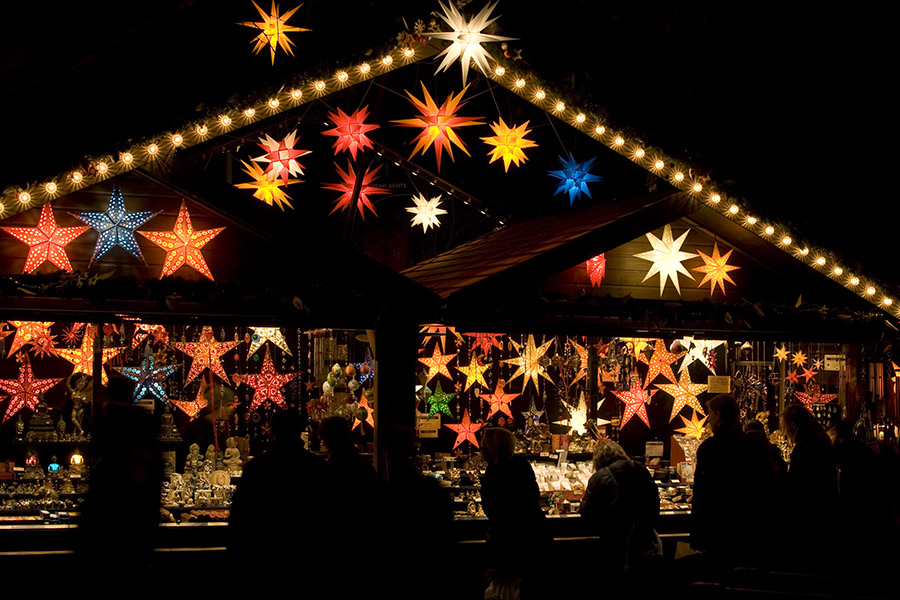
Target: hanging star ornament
(716,269)
(465,430)
(781,353)
(666,257)
(694,427)
(440,333)
(193,407)
(438,124)
(659,363)
(115,226)
(261,335)
(813,395)
(466,38)
(529,362)
(499,400)
(370,414)
(149,378)
(792,377)
(28,331)
(509,143)
(574,177)
(281,156)
(273,30)
(83,356)
(474,373)
(143,331)
(183,244)
(684,393)
(702,351)
(809,374)
(578,418)
(363,189)
(439,401)
(582,360)
(47,242)
(799,359)
(437,364)
(206,354)
(350,131)
(426,212)
(636,401)
(267,384)
(24,391)
(486,341)
(533,413)
(596,269)
(265,188)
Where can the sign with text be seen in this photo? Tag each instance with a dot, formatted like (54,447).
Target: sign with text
(718,384)
(428,426)
(833,362)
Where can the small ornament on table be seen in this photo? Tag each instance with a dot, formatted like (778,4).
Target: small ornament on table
(232,461)
(168,432)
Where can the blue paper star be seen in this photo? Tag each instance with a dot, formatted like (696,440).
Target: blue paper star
(149,378)
(115,226)
(369,361)
(575,176)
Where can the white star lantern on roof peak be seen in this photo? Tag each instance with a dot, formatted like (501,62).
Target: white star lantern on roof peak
(666,257)
(426,212)
(466,38)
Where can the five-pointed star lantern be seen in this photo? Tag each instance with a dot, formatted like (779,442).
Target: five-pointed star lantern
(635,400)
(683,393)
(529,362)
(465,430)
(281,156)
(439,401)
(596,269)
(809,374)
(273,30)
(83,356)
(509,143)
(426,212)
(485,341)
(266,188)
(666,257)
(183,244)
(149,378)
(370,414)
(192,407)
(694,427)
(115,226)
(143,331)
(533,413)
(583,360)
(474,373)
(261,335)
(351,184)
(466,38)
(206,354)
(716,269)
(799,359)
(350,131)
(27,331)
(813,395)
(781,353)
(499,400)
(267,384)
(574,177)
(699,351)
(660,363)
(47,241)
(792,377)
(25,390)
(438,124)
(437,364)
(578,419)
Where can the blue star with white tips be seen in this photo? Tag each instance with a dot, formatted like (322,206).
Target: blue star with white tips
(115,226)
(149,378)
(575,176)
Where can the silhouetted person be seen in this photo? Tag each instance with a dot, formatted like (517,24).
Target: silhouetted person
(348,468)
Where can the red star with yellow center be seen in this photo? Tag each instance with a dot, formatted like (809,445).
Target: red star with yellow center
(267,384)
(349,185)
(47,241)
(26,331)
(499,400)
(716,269)
(25,390)
(183,244)
(437,364)
(465,430)
(660,363)
(83,356)
(206,354)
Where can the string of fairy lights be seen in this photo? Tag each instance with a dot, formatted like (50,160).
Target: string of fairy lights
(518,81)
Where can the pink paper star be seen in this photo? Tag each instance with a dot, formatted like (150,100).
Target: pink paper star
(465,431)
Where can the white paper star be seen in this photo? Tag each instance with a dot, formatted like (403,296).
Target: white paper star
(426,211)
(666,257)
(699,351)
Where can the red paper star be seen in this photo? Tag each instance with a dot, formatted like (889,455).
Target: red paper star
(660,363)
(25,390)
(47,241)
(499,400)
(792,377)
(83,356)
(267,384)
(206,354)
(437,364)
(596,269)
(466,430)
(143,331)
(182,244)
(27,331)
(351,131)
(809,374)
(486,341)
(281,156)
(349,184)
(192,407)
(370,417)
(636,400)
(814,395)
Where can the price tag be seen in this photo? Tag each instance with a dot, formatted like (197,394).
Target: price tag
(833,362)
(718,384)
(428,426)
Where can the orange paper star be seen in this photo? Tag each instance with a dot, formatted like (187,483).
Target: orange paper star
(509,143)
(465,431)
(206,354)
(683,393)
(660,363)
(474,373)
(351,131)
(183,244)
(192,407)
(27,331)
(47,241)
(365,189)
(716,269)
(583,358)
(635,400)
(694,427)
(273,30)
(370,417)
(25,390)
(781,353)
(268,384)
(83,356)
(499,400)
(437,364)
(799,359)
(809,374)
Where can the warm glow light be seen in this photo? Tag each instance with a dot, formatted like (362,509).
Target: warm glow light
(786,240)
(751,220)
(560,106)
(667,257)
(77,176)
(364,68)
(225,120)
(202,130)
(342,76)
(51,187)
(319,85)
(887,301)
(273,103)
(679,176)
(387,60)
(854,281)
(499,71)
(697,187)
(177,139)
(838,271)
(821,261)
(127,158)
(805,251)
(870,291)
(579,118)
(659,164)
(102,167)
(599,129)
(715,198)
(408,52)
(733,209)
(540,95)
(24,197)
(619,140)
(249,112)
(769,230)
(297,94)
(639,153)
(520,83)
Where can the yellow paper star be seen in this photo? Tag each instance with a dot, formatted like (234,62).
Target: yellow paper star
(716,269)
(437,364)
(261,335)
(529,363)
(508,143)
(660,363)
(273,30)
(666,257)
(474,373)
(694,427)
(684,393)
(799,359)
(781,353)
(83,357)
(265,189)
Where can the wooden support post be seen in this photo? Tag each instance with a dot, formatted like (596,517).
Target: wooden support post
(396,352)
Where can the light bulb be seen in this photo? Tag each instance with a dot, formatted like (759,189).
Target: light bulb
(733,209)
(249,112)
(854,281)
(659,164)
(408,52)
(202,130)
(387,60)
(560,106)
(51,187)
(715,198)
(364,68)
(273,103)
(639,153)
(769,230)
(804,251)
(152,149)
(697,188)
(580,118)
(297,94)
(342,76)
(870,291)
(540,95)
(177,139)
(599,129)
(499,71)
(821,261)
(319,85)
(225,120)
(24,197)
(679,176)
(751,220)
(520,83)
(77,176)
(887,301)
(101,167)
(786,240)
(838,271)
(619,140)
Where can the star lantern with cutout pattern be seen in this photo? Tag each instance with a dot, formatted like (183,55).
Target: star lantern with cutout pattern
(24,391)
(47,242)
(485,341)
(143,331)
(528,363)
(684,393)
(792,377)
(509,143)
(350,131)
(596,269)
(349,185)
(261,335)
(267,384)
(273,30)
(666,257)
(183,244)
(439,401)
(809,374)
(28,331)
(635,400)
(149,378)
(716,269)
(116,227)
(660,363)
(474,373)
(694,427)
(83,356)
(193,407)
(499,400)
(437,364)
(465,430)
(206,354)
(813,395)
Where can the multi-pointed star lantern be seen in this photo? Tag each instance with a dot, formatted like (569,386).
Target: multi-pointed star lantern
(694,427)
(529,362)
(716,269)
(149,378)
(660,363)
(486,341)
(499,400)
(781,353)
(183,244)
(699,351)
(596,269)
(574,178)
(24,391)
(667,257)
(684,393)
(437,364)
(351,184)
(465,430)
(116,226)
(265,188)
(426,211)
(83,356)
(799,359)
(813,395)
(281,156)
(267,384)
(350,131)
(635,400)
(28,331)
(206,354)
(47,242)
(509,143)
(273,30)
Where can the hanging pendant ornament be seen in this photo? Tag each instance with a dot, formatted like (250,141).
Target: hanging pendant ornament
(267,384)
(636,401)
(465,430)
(183,244)
(666,257)
(266,188)
(83,356)
(499,400)
(574,177)
(683,393)
(426,212)
(349,185)
(509,143)
(529,362)
(47,242)
(206,353)
(273,30)
(716,269)
(26,390)
(596,269)
(351,131)
(115,227)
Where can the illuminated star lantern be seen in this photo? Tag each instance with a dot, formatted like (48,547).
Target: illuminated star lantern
(281,156)
(666,257)
(509,143)
(809,374)
(684,393)
(465,431)
(583,358)
(716,269)
(813,395)
(149,378)
(439,401)
(499,400)
(349,185)
(351,131)
(47,241)
(529,362)
(799,359)
(700,351)
(28,331)
(440,333)
(437,364)
(426,211)
(206,354)
(793,377)
(533,413)
(635,400)
(183,244)
(273,30)
(817,364)
(474,373)
(466,38)
(438,124)
(115,226)
(267,384)
(193,407)
(660,363)
(694,427)
(261,335)
(579,417)
(264,188)
(370,414)
(574,177)
(781,353)
(596,269)
(486,341)
(369,365)
(83,356)
(25,390)
(143,331)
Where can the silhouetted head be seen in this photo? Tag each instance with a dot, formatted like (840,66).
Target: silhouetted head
(606,452)
(335,434)
(724,412)
(841,431)
(498,445)
(800,424)
(287,426)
